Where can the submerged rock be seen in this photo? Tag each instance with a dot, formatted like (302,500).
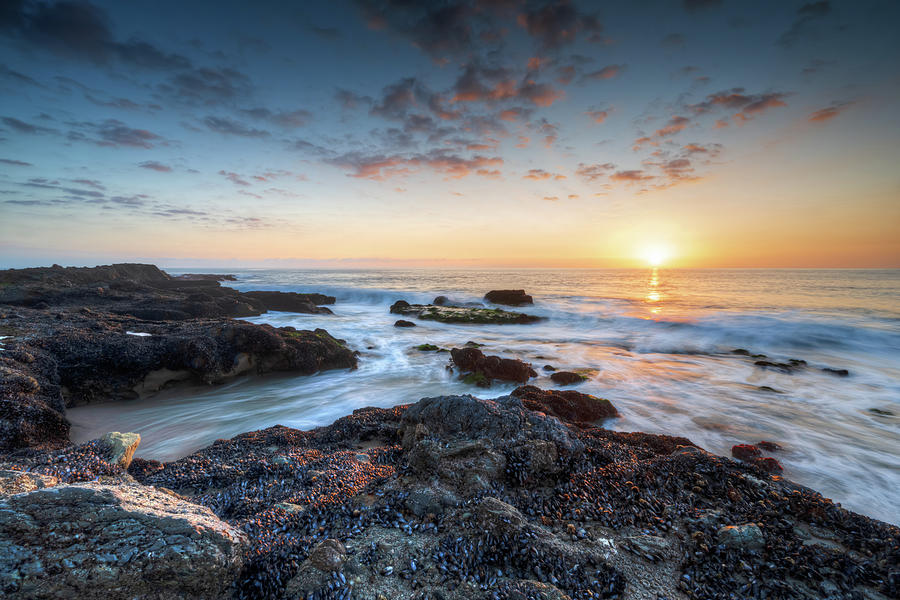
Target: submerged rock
(473,360)
(745,452)
(567,377)
(509,297)
(102,542)
(402,323)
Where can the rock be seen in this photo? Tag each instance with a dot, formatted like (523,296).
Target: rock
(473,360)
(441,301)
(204,277)
(567,377)
(769,465)
(402,323)
(509,297)
(769,446)
(566,405)
(102,542)
(461,314)
(745,537)
(121,447)
(293,302)
(328,555)
(788,367)
(549,368)
(427,348)
(745,452)
(497,516)
(837,372)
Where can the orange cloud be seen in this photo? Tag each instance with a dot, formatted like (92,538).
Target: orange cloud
(541,174)
(826,114)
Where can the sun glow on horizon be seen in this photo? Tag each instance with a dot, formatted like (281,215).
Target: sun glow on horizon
(656,254)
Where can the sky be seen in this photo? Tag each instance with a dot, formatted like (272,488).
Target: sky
(495,133)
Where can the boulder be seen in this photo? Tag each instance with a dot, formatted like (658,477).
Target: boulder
(566,405)
(509,297)
(402,323)
(769,446)
(745,452)
(567,377)
(441,301)
(473,360)
(121,447)
(328,555)
(769,465)
(745,537)
(94,541)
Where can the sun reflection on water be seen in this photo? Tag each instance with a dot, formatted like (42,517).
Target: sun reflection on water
(653,293)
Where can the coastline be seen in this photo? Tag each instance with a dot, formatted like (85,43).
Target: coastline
(473,482)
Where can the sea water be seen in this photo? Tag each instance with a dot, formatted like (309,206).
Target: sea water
(659,343)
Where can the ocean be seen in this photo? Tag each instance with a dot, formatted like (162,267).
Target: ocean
(658,343)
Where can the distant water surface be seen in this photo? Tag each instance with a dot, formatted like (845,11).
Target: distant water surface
(659,340)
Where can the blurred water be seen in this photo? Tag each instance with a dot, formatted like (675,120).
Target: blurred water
(659,340)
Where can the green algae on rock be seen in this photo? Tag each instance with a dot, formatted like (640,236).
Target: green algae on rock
(461,314)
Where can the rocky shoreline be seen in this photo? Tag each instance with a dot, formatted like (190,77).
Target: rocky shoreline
(523,496)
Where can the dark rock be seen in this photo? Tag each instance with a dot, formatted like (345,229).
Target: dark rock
(745,537)
(745,452)
(509,297)
(204,277)
(769,446)
(293,302)
(837,372)
(402,323)
(427,348)
(567,405)
(441,301)
(768,464)
(567,377)
(740,352)
(881,412)
(473,360)
(328,555)
(549,368)
(788,367)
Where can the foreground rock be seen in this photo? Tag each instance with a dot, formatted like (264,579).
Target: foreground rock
(461,314)
(483,369)
(461,498)
(86,356)
(105,542)
(509,297)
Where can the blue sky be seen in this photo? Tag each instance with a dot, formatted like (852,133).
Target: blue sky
(459,132)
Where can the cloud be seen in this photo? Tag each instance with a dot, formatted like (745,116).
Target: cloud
(559,22)
(607,72)
(828,113)
(541,174)
(380,166)
(91,183)
(487,84)
(23,127)
(234,178)
(551,198)
(803,25)
(350,100)
(155,166)
(228,127)
(114,133)
(15,163)
(630,176)
(595,171)
(208,85)
(598,116)
(746,105)
(675,125)
(287,119)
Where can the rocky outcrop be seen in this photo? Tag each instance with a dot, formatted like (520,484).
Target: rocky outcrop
(484,369)
(509,297)
(293,302)
(461,314)
(86,356)
(568,405)
(103,542)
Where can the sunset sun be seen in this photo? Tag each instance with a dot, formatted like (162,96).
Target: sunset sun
(655,255)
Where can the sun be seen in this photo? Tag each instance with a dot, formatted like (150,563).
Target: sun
(655,255)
